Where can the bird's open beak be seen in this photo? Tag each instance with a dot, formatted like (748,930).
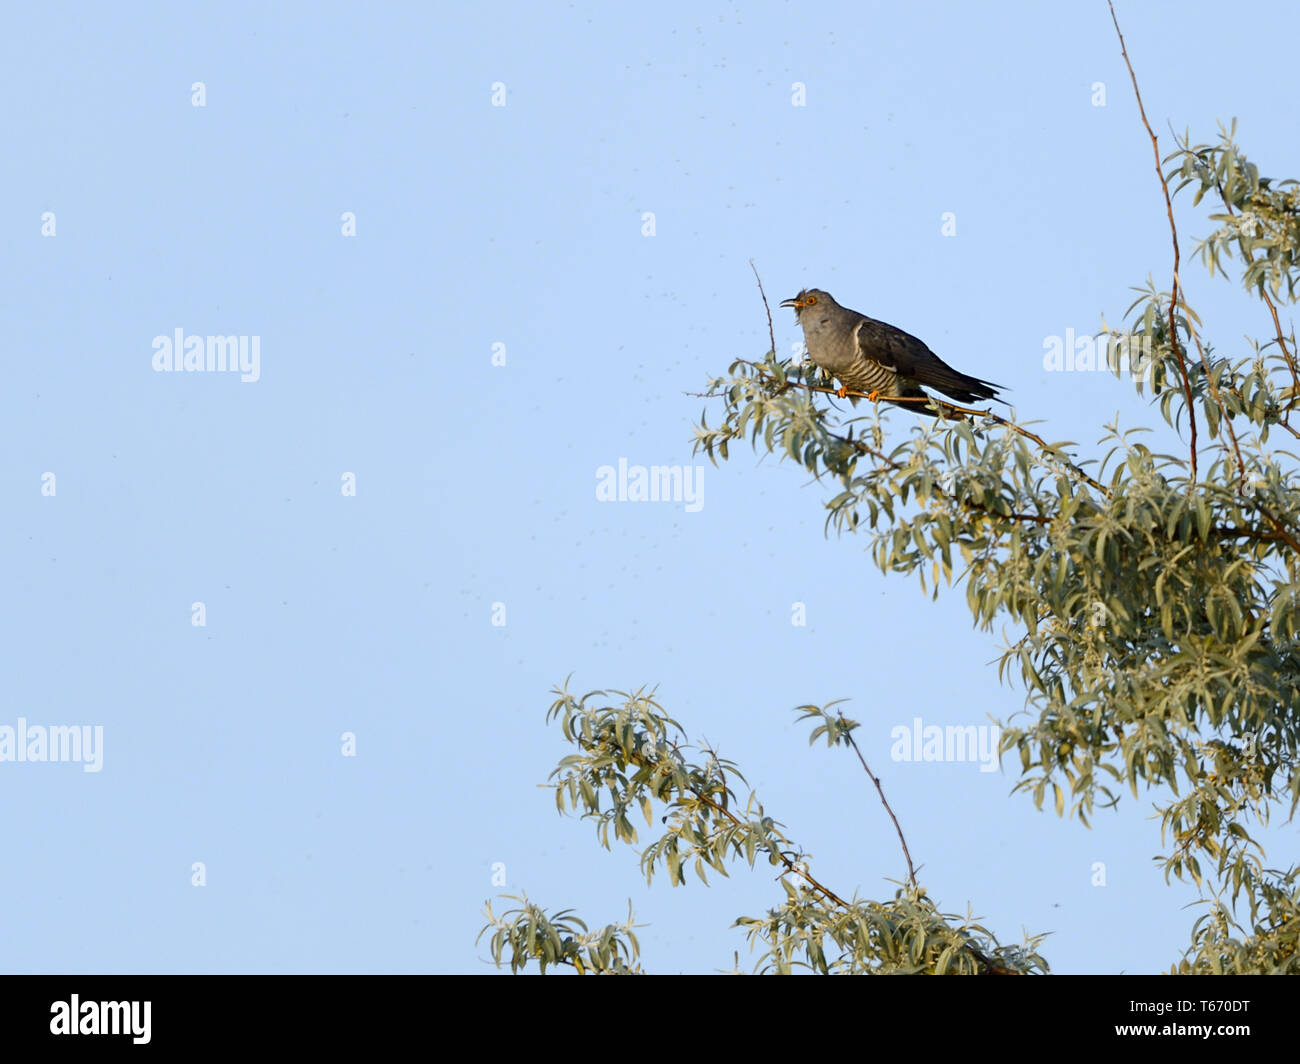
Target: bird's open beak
(797,304)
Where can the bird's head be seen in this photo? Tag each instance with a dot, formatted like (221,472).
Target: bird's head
(808,298)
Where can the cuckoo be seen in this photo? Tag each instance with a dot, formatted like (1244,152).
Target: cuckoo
(874,358)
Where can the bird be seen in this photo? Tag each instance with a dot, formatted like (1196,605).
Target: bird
(877,359)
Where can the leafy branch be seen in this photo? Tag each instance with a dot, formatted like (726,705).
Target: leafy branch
(631,756)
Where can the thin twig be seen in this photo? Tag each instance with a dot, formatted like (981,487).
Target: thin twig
(991,966)
(1169,207)
(770,334)
(911,871)
(1287,355)
(1214,390)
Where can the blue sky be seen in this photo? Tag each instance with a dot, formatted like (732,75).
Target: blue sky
(522,225)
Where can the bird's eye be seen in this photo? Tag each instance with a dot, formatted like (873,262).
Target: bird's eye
(811,301)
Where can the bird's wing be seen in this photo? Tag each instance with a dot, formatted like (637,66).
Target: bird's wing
(909,357)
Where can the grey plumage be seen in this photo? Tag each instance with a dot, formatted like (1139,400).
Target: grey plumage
(877,359)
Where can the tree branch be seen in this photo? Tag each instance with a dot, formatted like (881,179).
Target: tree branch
(1173,230)
(943,405)
(770,334)
(911,871)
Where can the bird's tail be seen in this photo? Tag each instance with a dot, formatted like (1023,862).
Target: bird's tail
(963,387)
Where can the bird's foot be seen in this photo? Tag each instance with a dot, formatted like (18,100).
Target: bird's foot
(874,396)
(842,391)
